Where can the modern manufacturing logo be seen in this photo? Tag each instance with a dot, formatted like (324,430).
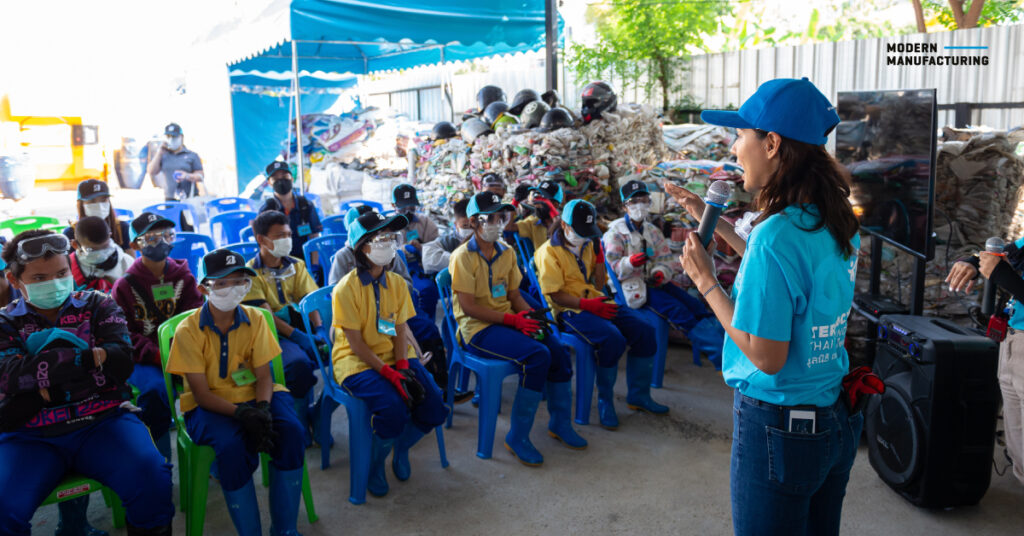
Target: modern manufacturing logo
(918,54)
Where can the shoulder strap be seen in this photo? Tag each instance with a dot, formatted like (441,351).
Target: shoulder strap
(147,299)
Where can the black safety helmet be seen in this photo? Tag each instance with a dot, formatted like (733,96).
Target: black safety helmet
(555,119)
(597,97)
(443,131)
(487,95)
(473,128)
(552,98)
(521,99)
(533,113)
(494,111)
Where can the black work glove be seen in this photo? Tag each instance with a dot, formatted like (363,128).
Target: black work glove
(413,387)
(257,424)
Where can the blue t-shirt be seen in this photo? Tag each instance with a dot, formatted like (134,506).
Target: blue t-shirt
(793,285)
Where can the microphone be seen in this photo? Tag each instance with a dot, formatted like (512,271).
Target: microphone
(718,195)
(988,298)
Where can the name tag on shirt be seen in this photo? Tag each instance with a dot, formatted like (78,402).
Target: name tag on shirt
(305,230)
(243,376)
(386,327)
(412,235)
(163,292)
(498,291)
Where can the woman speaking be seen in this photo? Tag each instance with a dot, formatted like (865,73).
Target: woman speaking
(794,441)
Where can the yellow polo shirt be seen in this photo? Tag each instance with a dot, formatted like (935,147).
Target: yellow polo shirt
(200,348)
(280,292)
(558,269)
(355,307)
(531,227)
(474,274)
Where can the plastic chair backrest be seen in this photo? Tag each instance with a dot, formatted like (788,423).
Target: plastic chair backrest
(325,246)
(345,205)
(172,210)
(443,279)
(319,300)
(191,247)
(28,223)
(335,224)
(249,250)
(124,214)
(526,252)
(228,226)
(315,200)
(247,235)
(228,204)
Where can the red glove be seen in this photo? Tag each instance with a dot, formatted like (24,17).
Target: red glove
(527,326)
(857,385)
(402,364)
(638,259)
(598,252)
(551,206)
(395,378)
(658,278)
(599,307)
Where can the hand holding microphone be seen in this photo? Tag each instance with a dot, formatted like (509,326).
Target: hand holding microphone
(994,249)
(718,195)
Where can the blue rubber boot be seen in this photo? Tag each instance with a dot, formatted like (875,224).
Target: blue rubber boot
(524,409)
(244,510)
(560,408)
(285,494)
(606,397)
(73,521)
(638,378)
(377,485)
(400,462)
(302,411)
(708,337)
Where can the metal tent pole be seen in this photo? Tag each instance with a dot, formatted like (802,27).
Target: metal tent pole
(298,116)
(551,43)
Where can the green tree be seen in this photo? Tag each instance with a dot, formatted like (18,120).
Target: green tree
(645,42)
(957,14)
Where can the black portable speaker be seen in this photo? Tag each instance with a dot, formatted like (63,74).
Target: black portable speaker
(931,435)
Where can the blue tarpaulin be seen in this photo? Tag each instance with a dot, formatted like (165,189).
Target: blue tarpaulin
(364,36)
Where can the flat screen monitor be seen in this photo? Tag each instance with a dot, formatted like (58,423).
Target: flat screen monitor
(886,139)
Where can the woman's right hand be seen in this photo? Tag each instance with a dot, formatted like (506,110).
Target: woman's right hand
(961,277)
(692,202)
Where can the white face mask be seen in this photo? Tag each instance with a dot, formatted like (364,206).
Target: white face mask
(99,210)
(174,143)
(382,254)
(463,233)
(229,298)
(638,211)
(574,239)
(96,256)
(282,247)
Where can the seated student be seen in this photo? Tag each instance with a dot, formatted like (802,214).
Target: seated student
(544,201)
(640,256)
(231,402)
(94,200)
(494,321)
(281,284)
(302,217)
(421,229)
(371,306)
(437,252)
(153,289)
(571,271)
(65,362)
(97,261)
(492,182)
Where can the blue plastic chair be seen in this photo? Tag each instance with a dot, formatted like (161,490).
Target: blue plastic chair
(345,205)
(192,247)
(360,435)
(490,373)
(228,204)
(335,224)
(249,250)
(124,214)
(172,210)
(315,199)
(325,246)
(661,329)
(248,235)
(228,226)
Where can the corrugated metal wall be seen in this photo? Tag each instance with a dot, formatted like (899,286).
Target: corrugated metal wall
(720,80)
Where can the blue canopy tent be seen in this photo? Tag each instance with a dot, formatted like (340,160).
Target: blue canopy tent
(364,36)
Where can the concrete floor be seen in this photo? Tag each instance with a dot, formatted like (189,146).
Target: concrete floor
(655,475)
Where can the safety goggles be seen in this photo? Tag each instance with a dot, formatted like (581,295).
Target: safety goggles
(39,246)
(406,211)
(498,218)
(284,272)
(639,201)
(229,283)
(154,238)
(384,239)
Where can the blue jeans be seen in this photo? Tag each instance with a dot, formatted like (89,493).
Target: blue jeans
(298,369)
(117,451)
(610,337)
(537,361)
(676,306)
(790,483)
(388,412)
(235,461)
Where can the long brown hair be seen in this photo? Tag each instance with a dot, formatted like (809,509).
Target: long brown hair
(809,174)
(112,222)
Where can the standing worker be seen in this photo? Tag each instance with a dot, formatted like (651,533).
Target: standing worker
(794,440)
(302,216)
(182,169)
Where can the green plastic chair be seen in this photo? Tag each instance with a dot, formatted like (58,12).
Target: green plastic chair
(27,223)
(194,461)
(74,486)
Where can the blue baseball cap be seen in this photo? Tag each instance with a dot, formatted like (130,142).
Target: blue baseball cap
(582,217)
(632,188)
(146,222)
(792,108)
(371,222)
(551,190)
(355,212)
(486,203)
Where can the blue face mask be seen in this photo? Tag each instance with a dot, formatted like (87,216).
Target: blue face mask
(49,294)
